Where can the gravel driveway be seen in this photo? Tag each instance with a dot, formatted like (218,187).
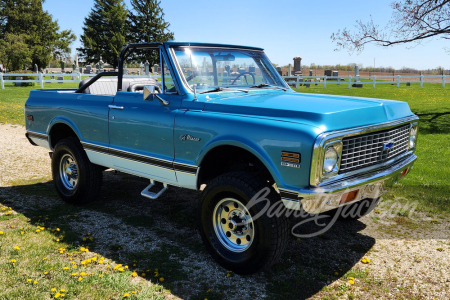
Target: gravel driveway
(409,256)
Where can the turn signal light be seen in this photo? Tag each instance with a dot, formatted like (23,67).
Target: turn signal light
(350,196)
(404,172)
(290,157)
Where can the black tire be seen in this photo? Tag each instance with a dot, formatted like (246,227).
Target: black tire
(355,211)
(89,176)
(270,233)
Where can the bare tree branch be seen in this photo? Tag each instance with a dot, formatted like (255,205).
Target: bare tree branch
(412,21)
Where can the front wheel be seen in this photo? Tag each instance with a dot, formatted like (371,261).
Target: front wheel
(242,235)
(76,179)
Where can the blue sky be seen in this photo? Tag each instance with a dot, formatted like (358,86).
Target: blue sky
(284,28)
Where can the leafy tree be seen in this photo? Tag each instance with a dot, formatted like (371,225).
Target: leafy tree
(412,21)
(14,52)
(38,30)
(105,31)
(146,24)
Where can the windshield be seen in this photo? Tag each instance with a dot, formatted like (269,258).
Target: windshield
(215,68)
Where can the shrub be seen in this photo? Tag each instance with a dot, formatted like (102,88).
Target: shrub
(24,77)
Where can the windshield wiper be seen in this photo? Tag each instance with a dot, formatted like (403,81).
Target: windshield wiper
(263,85)
(217,89)
(220,89)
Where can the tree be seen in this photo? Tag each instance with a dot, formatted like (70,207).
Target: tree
(411,21)
(37,28)
(14,52)
(105,32)
(146,24)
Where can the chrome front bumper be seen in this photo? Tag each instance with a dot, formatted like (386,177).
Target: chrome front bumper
(370,185)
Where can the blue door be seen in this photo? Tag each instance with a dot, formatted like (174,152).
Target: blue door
(141,132)
(141,135)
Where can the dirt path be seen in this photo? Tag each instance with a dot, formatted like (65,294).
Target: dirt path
(19,160)
(409,256)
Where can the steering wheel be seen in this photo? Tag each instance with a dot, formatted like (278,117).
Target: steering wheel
(253,76)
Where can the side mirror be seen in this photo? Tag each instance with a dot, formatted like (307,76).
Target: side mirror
(150,94)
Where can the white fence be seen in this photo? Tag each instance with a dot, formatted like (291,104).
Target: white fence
(373,80)
(40,78)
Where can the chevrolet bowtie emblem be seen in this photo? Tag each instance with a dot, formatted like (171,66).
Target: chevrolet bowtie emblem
(388,145)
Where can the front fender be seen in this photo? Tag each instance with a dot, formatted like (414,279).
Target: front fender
(246,144)
(264,138)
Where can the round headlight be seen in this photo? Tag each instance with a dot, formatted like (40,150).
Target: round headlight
(412,137)
(330,160)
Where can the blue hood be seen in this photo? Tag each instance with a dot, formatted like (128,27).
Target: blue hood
(327,112)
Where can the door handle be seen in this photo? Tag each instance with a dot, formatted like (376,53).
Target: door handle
(115,107)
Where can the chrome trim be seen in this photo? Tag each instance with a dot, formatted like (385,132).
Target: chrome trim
(217,47)
(337,145)
(180,70)
(370,185)
(115,107)
(414,125)
(322,141)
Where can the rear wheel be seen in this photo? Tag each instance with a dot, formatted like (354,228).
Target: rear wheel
(76,179)
(240,236)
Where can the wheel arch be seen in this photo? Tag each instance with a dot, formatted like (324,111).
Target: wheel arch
(60,128)
(228,156)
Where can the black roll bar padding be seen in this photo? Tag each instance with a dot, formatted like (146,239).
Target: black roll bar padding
(94,79)
(123,55)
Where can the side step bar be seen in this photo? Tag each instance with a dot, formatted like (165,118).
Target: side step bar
(147,194)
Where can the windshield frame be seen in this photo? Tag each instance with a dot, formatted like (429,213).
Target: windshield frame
(270,67)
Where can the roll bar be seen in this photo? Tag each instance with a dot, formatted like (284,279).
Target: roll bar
(123,54)
(94,79)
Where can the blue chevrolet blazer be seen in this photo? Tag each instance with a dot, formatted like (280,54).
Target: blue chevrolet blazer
(220,119)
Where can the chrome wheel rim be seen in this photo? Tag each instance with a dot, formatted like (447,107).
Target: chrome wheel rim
(68,171)
(233,225)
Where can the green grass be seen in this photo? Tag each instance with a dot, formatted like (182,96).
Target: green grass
(32,265)
(428,182)
(12,100)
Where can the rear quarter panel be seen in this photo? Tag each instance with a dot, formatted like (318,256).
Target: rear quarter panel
(86,114)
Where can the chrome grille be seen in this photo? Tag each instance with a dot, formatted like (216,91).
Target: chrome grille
(365,150)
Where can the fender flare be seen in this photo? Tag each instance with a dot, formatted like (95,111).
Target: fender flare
(249,146)
(62,120)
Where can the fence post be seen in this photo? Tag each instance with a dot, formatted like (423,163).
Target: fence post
(349,82)
(1,79)
(398,81)
(421,80)
(374,81)
(443,80)
(79,77)
(41,80)
(325,82)
(298,80)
